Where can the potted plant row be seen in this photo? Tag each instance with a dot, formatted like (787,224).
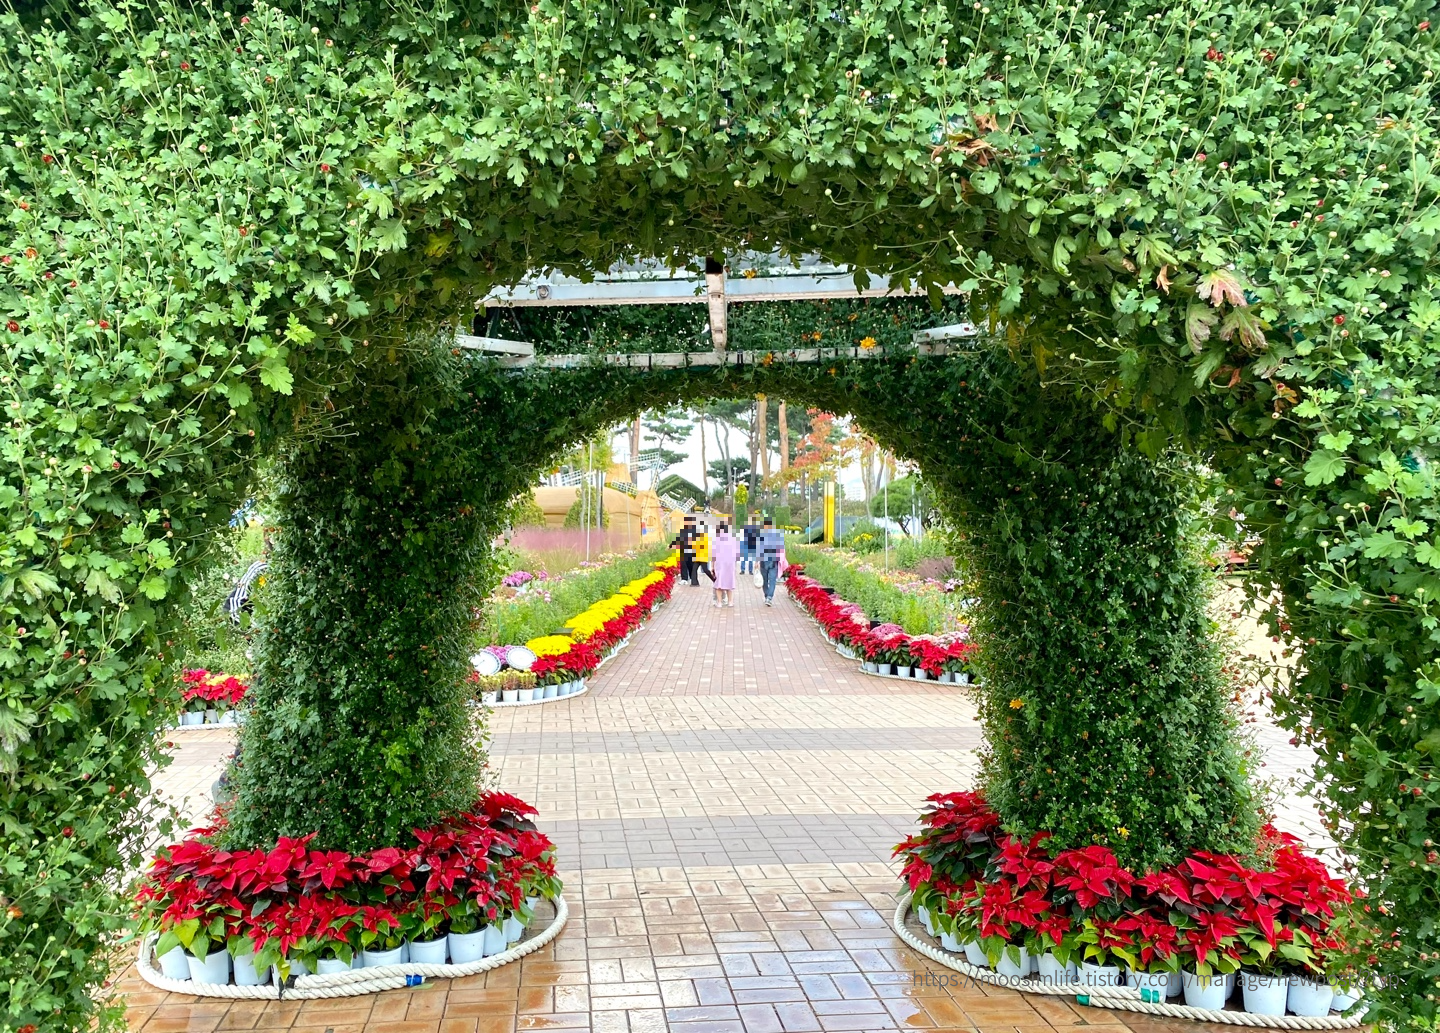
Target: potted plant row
(465,890)
(1263,929)
(210,699)
(882,648)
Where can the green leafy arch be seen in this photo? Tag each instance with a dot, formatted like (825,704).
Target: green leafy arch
(1219,221)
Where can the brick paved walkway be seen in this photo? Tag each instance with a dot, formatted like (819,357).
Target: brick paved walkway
(724,800)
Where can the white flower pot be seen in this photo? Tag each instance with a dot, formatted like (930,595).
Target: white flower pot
(494,939)
(214,969)
(510,695)
(923,913)
(1346,997)
(921,674)
(527,695)
(1204,991)
(466,947)
(245,974)
(1015,970)
(212,717)
(330,966)
(192,717)
(428,952)
(1309,998)
(903,672)
(173,964)
(963,678)
(975,954)
(1166,984)
(551,691)
(230,717)
(948,941)
(1051,971)
(1264,995)
(374,959)
(532,902)
(513,929)
(867,667)
(1100,975)
(1034,964)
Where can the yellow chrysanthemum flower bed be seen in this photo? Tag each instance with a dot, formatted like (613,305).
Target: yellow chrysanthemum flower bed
(591,620)
(550,645)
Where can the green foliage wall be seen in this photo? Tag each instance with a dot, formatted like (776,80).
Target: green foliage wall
(359,727)
(1219,219)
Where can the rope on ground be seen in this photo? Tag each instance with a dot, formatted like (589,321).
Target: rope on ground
(352,983)
(1124,998)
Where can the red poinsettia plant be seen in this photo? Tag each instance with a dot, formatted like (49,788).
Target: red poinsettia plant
(1272,911)
(843,622)
(205,691)
(293,902)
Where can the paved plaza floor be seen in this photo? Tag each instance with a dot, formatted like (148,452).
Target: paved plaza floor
(724,801)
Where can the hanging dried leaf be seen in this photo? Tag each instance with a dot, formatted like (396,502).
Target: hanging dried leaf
(1248,326)
(1199,320)
(1221,285)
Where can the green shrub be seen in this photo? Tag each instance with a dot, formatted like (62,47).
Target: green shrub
(907,553)
(582,510)
(526,512)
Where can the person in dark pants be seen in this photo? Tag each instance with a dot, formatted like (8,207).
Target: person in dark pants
(685,542)
(772,555)
(747,555)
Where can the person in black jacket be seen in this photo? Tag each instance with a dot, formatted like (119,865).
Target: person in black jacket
(685,542)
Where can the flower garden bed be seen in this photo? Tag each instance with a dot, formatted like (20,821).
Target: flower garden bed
(209,699)
(1076,922)
(554,667)
(292,921)
(882,649)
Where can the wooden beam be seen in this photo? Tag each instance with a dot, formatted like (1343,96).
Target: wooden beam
(715,302)
(682,360)
(493,345)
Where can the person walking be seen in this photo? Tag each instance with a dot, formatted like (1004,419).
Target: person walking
(752,535)
(772,558)
(702,554)
(685,542)
(723,556)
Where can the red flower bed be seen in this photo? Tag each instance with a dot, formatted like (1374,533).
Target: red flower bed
(583,657)
(219,691)
(292,902)
(845,623)
(1272,913)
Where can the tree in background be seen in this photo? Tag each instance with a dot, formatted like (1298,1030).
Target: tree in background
(667,427)
(730,473)
(909,502)
(818,452)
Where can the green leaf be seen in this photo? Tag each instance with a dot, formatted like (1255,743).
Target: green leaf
(276,375)
(153,587)
(1323,467)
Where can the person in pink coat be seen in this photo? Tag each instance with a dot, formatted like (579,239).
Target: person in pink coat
(724,554)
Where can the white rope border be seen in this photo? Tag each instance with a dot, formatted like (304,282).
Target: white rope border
(346,984)
(1124,998)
